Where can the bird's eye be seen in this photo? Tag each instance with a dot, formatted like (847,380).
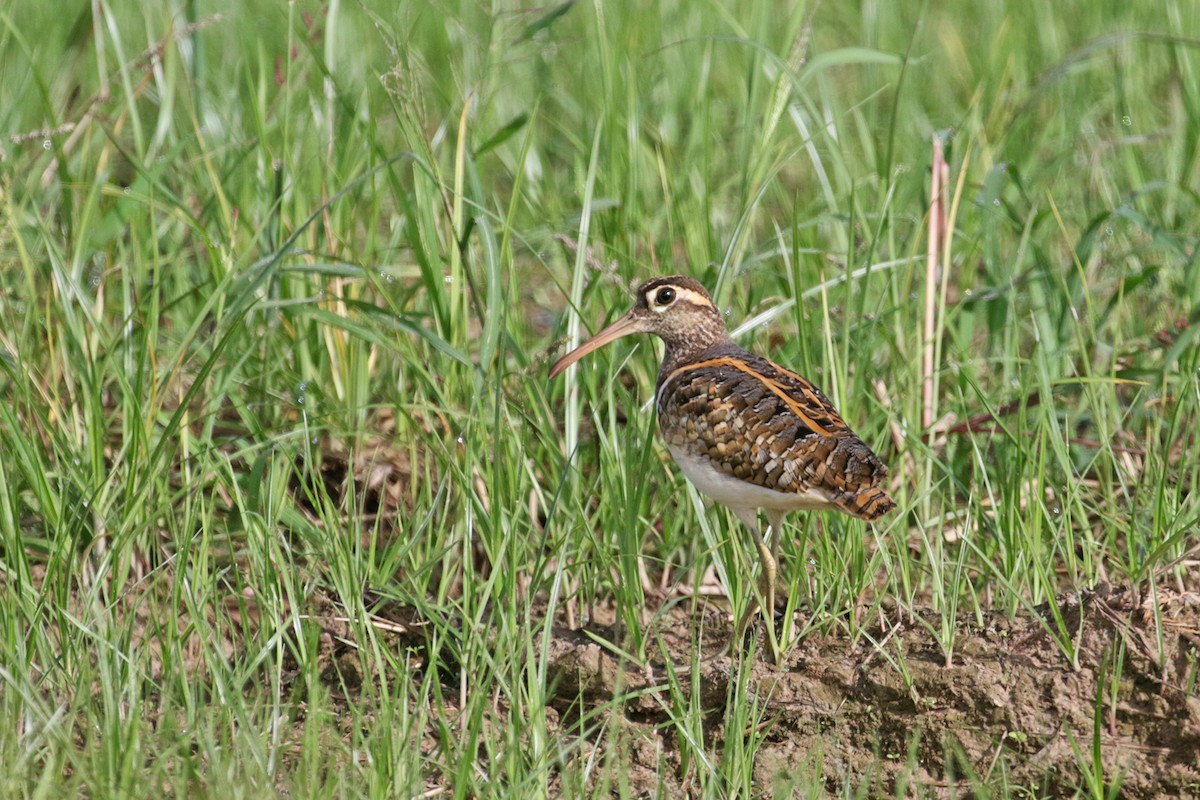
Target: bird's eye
(665,296)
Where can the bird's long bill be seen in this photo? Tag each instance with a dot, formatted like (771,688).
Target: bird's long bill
(625,325)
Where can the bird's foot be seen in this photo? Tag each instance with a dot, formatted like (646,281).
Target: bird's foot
(739,634)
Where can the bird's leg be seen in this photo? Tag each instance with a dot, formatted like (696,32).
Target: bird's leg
(775,520)
(766,586)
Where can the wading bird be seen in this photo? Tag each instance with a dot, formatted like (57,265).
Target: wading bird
(746,432)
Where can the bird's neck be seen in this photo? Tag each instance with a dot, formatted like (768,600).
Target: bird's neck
(687,349)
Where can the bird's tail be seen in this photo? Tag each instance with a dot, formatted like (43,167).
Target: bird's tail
(869,504)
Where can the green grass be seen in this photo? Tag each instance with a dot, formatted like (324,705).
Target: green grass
(227,242)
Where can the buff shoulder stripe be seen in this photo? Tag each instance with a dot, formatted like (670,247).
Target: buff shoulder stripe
(774,387)
(811,395)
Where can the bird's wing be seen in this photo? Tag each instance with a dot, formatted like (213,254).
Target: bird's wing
(764,424)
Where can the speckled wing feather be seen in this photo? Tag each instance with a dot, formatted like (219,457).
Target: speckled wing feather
(766,425)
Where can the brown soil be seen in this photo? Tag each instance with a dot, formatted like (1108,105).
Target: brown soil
(1015,704)
(1009,702)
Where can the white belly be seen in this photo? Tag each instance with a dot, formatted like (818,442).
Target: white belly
(734,493)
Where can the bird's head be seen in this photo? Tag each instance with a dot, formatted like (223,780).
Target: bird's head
(677,309)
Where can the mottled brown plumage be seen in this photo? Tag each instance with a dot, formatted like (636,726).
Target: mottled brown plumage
(746,431)
(763,424)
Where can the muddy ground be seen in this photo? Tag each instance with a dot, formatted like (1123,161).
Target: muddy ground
(1015,705)
(1009,699)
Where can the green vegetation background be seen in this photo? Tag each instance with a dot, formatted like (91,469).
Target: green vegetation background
(242,240)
